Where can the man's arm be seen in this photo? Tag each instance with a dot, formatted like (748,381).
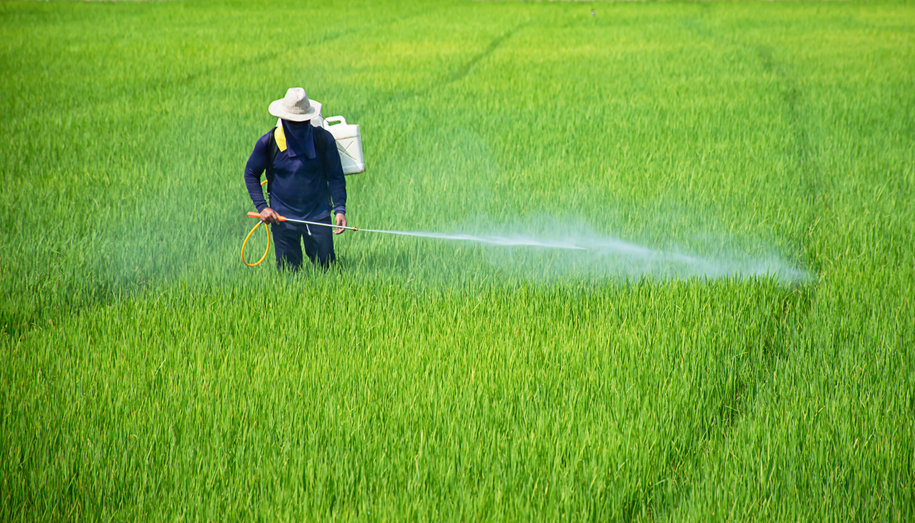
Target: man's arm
(333,171)
(257,162)
(336,182)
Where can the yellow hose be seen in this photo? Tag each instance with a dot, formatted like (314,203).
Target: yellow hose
(245,243)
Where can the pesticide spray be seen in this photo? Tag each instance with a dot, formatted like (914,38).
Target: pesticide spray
(601,255)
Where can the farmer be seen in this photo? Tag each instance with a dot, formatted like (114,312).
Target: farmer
(304,176)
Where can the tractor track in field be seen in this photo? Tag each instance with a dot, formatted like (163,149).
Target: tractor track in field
(789,317)
(216,69)
(464,70)
(812,183)
(456,75)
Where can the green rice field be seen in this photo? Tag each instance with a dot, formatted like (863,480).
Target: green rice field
(734,339)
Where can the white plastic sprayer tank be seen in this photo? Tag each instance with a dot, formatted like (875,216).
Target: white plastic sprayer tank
(349,144)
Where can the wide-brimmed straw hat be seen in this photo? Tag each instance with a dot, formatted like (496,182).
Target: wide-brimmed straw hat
(295,106)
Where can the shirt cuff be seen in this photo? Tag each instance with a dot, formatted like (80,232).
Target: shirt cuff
(340,210)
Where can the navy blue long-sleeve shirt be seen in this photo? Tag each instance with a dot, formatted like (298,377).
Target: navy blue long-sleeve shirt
(302,188)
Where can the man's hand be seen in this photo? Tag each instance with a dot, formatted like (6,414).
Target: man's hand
(268,215)
(341,221)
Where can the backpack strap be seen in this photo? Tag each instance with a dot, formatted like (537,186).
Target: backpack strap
(274,150)
(320,145)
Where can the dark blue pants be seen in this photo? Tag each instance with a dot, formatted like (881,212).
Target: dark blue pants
(289,237)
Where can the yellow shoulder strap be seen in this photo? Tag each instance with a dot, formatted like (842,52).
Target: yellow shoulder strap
(280,137)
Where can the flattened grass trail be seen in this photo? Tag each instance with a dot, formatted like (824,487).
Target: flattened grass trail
(148,374)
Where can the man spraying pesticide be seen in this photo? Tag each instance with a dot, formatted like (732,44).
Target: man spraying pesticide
(304,180)
(305,158)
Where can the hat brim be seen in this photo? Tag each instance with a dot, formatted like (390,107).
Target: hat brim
(276,109)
